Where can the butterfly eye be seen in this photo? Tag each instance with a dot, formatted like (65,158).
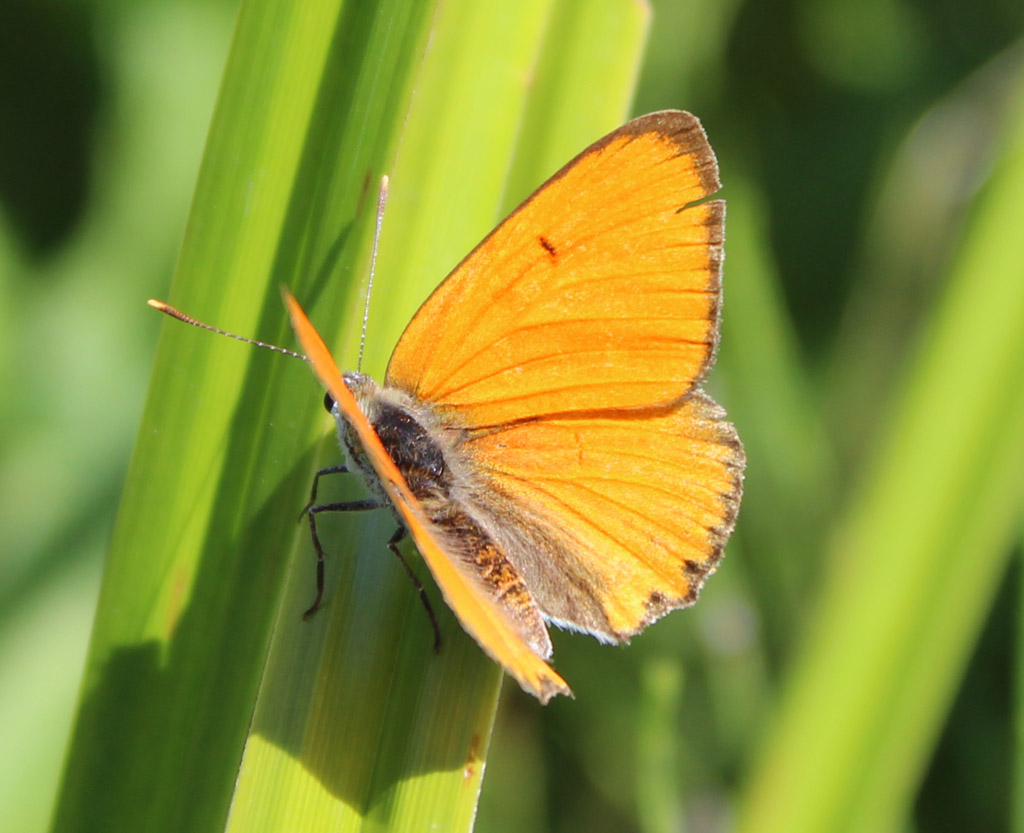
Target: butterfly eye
(329,403)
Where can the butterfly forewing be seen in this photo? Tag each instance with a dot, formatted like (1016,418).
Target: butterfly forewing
(601,291)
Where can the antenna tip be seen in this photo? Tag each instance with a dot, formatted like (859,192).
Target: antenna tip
(167,309)
(384,180)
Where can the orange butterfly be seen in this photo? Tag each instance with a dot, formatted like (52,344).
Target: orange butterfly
(541,431)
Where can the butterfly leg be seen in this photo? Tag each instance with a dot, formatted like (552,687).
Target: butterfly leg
(316,482)
(311,513)
(393,546)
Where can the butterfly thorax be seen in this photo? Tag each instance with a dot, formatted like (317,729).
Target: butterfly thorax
(409,434)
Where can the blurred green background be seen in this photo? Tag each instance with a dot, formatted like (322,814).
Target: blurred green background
(862,147)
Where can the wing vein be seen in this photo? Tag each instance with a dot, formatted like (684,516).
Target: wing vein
(628,510)
(670,494)
(634,351)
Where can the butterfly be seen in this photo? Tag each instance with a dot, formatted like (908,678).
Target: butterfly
(541,432)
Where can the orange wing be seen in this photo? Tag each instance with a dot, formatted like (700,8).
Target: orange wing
(637,506)
(600,291)
(478,614)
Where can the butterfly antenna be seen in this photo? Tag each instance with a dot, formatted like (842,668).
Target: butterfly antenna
(167,309)
(382,198)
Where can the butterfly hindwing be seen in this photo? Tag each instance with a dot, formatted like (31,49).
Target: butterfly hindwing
(629,512)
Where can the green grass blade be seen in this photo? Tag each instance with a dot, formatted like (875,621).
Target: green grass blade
(585,75)
(918,561)
(426,735)
(200,551)
(1017,782)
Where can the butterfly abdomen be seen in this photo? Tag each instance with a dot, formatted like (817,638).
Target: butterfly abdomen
(498,576)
